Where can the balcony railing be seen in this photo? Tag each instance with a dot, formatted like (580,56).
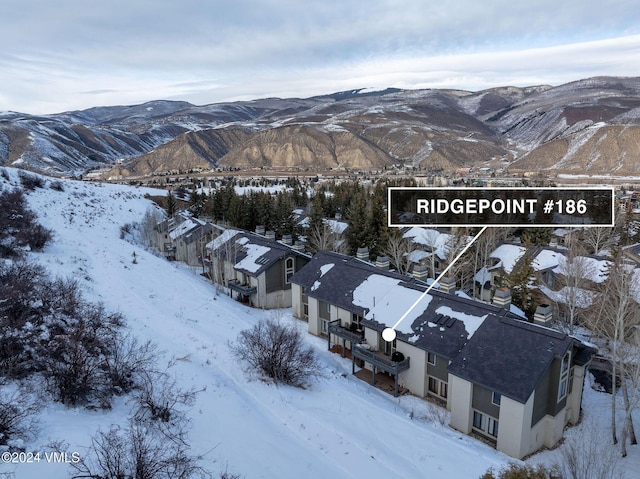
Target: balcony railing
(344,333)
(246,289)
(379,363)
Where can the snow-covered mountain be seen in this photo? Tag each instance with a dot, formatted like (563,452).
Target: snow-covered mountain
(589,125)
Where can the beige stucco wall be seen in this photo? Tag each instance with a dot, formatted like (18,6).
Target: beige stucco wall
(514,432)
(413,378)
(459,403)
(296,300)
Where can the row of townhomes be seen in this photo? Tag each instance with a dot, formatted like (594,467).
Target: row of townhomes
(513,383)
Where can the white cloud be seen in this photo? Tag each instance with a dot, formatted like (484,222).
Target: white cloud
(129,52)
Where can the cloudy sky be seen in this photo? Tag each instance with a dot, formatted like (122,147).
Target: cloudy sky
(72,54)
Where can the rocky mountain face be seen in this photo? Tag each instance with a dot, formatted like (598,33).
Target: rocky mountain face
(589,126)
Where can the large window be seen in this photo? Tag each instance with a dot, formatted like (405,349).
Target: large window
(485,424)
(437,387)
(496,398)
(431,358)
(492,427)
(289,269)
(478,420)
(564,377)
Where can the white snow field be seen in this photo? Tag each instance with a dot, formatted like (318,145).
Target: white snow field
(338,427)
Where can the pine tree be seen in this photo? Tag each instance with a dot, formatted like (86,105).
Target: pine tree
(171,204)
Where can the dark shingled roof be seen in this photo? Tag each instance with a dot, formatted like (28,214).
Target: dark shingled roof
(438,333)
(339,282)
(510,356)
(276,251)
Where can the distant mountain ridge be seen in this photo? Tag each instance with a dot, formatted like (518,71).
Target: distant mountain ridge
(587,126)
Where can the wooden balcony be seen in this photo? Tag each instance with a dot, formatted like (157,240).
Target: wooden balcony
(379,362)
(246,289)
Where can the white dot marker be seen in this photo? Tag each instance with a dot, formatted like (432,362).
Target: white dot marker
(389,334)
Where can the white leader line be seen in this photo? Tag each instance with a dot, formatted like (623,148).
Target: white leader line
(464,250)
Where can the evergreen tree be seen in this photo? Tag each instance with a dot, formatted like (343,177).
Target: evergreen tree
(171,204)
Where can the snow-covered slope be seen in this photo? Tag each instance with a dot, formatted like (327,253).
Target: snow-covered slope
(338,427)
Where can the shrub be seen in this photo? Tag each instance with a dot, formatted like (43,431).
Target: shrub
(523,471)
(30,182)
(278,351)
(18,226)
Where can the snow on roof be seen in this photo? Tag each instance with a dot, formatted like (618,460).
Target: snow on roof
(483,275)
(387,300)
(182,228)
(417,255)
(583,297)
(254,252)
(471,322)
(222,239)
(589,268)
(325,268)
(508,254)
(547,259)
(431,238)
(337,226)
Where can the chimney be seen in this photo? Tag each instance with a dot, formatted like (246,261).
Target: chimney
(363,253)
(553,242)
(260,230)
(382,262)
(287,239)
(502,298)
(420,271)
(299,245)
(270,235)
(543,315)
(447,284)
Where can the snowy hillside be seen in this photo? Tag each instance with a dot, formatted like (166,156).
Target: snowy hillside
(339,427)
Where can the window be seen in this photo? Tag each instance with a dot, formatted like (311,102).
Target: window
(444,389)
(438,387)
(433,385)
(564,376)
(357,320)
(478,420)
(492,428)
(431,358)
(496,398)
(388,346)
(571,373)
(289,269)
(485,424)
(305,311)
(324,326)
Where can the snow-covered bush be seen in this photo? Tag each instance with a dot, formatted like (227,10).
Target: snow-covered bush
(522,471)
(137,451)
(18,409)
(19,230)
(278,351)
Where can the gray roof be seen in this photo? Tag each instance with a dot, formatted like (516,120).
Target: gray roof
(510,356)
(439,333)
(240,242)
(341,280)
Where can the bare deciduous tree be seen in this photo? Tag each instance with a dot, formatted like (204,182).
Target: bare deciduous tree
(617,319)
(323,237)
(584,456)
(598,238)
(398,250)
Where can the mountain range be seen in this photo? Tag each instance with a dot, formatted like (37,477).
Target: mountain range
(587,126)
